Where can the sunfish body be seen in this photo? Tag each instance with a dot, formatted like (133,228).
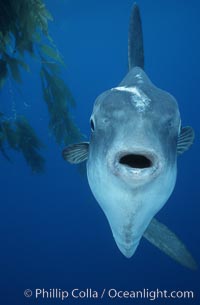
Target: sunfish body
(131,164)
(132,155)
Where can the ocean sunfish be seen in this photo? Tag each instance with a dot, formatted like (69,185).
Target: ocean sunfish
(136,135)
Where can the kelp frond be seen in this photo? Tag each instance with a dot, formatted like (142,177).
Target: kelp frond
(10,134)
(20,136)
(3,72)
(29,144)
(57,95)
(23,29)
(2,141)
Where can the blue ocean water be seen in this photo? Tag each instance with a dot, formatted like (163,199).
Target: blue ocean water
(52,231)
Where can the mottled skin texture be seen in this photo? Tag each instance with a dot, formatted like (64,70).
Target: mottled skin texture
(131,167)
(134,118)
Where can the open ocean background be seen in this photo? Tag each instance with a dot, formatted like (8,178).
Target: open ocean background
(52,232)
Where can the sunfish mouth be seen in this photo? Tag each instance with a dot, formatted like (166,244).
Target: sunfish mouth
(136,161)
(136,164)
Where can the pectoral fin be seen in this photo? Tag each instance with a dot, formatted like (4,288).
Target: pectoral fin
(76,153)
(160,236)
(185,140)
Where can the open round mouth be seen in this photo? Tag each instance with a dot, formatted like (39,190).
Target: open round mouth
(136,161)
(135,164)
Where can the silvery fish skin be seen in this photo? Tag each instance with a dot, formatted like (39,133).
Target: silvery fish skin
(132,155)
(132,161)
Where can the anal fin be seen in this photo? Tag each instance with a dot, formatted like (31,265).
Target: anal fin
(164,239)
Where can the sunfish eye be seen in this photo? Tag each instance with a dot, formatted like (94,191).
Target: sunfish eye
(170,123)
(92,124)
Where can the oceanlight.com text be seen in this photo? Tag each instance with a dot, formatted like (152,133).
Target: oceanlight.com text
(112,293)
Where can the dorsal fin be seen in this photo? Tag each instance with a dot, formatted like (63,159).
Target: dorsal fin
(135,40)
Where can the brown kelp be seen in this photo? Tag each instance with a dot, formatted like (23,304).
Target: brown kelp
(24,30)
(20,136)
